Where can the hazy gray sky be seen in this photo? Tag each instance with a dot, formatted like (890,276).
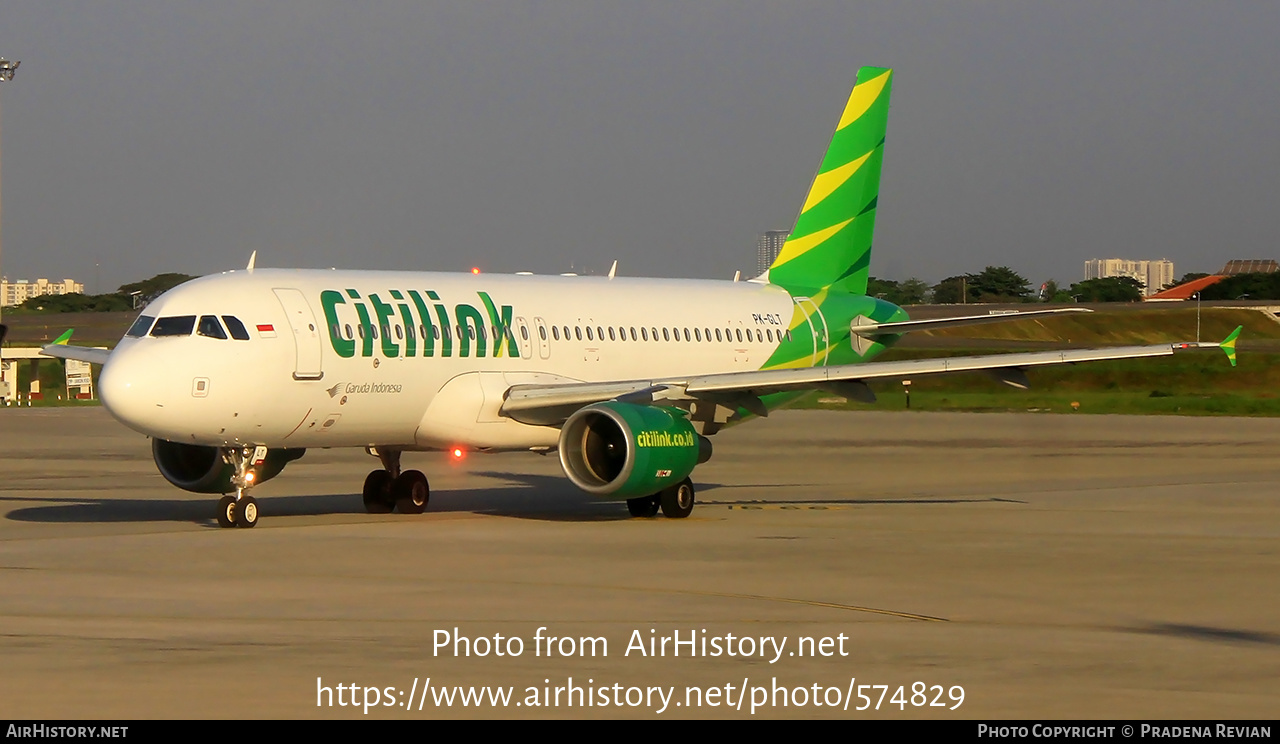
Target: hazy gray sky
(155,136)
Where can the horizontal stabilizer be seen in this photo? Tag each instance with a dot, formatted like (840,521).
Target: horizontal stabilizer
(871,328)
(1014,377)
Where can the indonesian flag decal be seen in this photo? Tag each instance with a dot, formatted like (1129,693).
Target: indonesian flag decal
(266,330)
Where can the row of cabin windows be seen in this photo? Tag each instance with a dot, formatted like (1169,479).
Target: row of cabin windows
(429,332)
(183,325)
(645,334)
(208,325)
(668,334)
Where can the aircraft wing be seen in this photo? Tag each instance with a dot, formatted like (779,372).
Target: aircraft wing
(83,353)
(550,405)
(871,328)
(60,350)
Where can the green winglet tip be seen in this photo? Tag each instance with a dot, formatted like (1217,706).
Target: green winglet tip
(1228,345)
(64,338)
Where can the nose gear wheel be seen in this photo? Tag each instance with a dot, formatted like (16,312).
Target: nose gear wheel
(227,511)
(246,512)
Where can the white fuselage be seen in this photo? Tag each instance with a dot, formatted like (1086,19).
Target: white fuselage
(311,373)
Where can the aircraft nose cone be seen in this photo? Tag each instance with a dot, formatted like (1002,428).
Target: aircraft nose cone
(124,392)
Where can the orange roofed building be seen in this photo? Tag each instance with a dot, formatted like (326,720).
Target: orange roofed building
(1184,291)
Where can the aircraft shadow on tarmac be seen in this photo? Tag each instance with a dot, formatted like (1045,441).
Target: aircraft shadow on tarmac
(565,498)
(1209,633)
(530,497)
(866,500)
(525,496)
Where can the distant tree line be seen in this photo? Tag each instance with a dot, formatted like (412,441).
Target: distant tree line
(910,292)
(120,300)
(1109,289)
(1002,284)
(992,284)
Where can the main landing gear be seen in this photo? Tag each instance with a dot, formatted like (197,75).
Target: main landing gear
(241,510)
(675,502)
(384,490)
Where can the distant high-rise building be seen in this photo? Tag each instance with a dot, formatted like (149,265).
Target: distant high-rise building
(768,247)
(1152,275)
(1250,266)
(16,293)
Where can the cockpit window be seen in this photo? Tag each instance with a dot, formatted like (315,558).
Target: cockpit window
(236,327)
(209,326)
(141,326)
(175,325)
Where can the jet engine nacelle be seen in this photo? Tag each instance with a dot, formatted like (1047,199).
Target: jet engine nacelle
(622,450)
(201,469)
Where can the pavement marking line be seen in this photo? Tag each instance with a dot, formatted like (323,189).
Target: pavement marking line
(760,597)
(811,603)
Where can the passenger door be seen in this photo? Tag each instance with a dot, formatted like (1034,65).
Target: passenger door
(306,336)
(817,328)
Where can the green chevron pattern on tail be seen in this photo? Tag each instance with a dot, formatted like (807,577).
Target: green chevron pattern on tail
(826,259)
(830,245)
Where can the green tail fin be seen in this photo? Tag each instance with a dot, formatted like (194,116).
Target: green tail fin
(1228,345)
(830,245)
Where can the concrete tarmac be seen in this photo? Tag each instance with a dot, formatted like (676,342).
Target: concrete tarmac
(1051,566)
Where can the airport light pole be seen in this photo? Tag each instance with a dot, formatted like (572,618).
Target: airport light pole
(1197,296)
(7,69)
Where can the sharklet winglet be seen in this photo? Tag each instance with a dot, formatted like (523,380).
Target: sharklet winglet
(64,339)
(1228,345)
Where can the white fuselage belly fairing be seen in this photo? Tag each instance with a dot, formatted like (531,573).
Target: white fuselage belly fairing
(290,386)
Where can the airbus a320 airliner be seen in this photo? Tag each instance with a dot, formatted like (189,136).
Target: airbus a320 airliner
(235,375)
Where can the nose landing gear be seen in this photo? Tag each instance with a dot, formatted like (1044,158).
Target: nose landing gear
(241,510)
